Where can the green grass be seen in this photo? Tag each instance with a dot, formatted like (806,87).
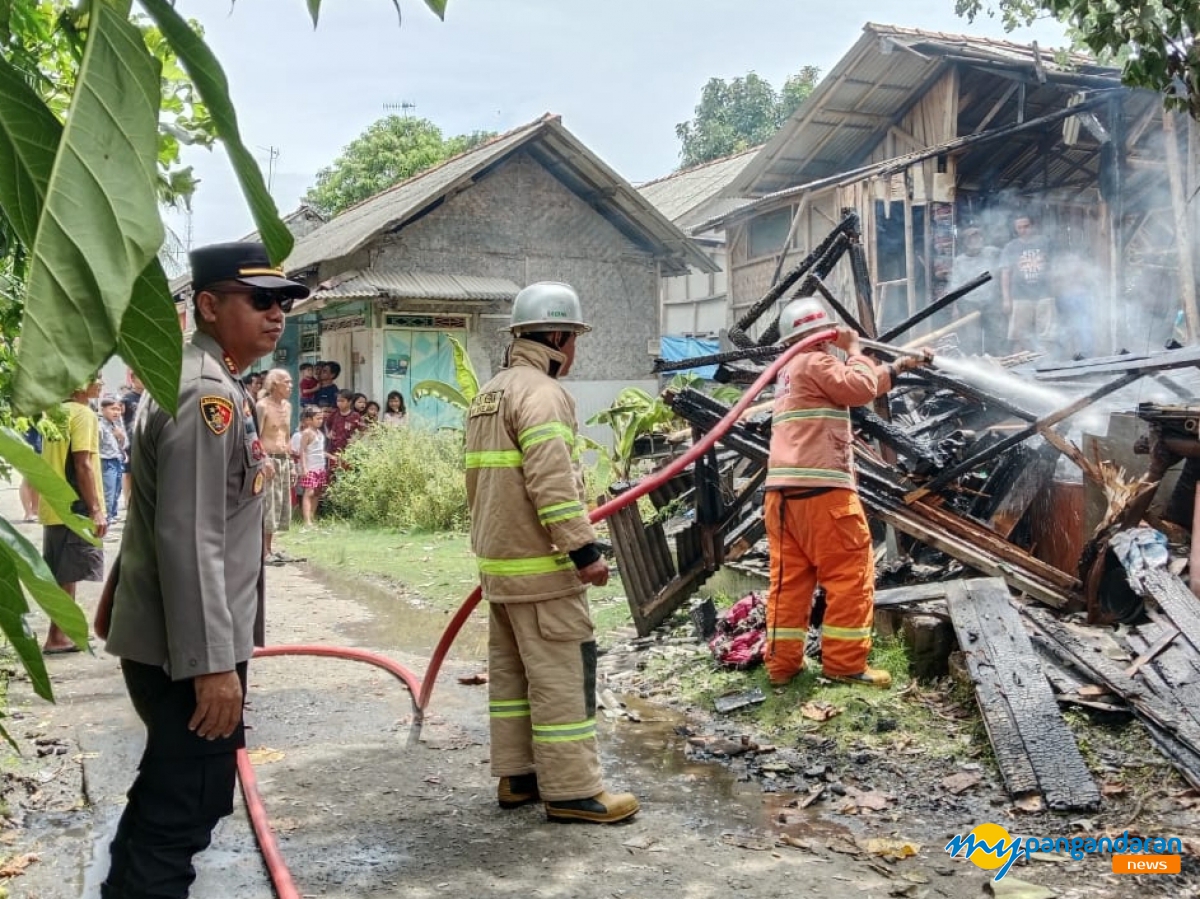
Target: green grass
(868,718)
(438,566)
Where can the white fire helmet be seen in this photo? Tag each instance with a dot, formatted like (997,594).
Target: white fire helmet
(547,306)
(802,317)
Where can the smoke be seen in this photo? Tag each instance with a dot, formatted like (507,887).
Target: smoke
(1094,316)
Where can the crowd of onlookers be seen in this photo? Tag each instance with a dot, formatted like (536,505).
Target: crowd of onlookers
(114,413)
(329,418)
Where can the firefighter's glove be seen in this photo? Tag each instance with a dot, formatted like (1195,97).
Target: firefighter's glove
(908,363)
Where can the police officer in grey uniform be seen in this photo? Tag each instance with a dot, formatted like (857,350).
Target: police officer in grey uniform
(187,597)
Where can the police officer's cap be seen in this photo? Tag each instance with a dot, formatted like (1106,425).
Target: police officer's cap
(244,261)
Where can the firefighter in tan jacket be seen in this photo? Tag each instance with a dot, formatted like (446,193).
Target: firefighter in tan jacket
(537,554)
(816,527)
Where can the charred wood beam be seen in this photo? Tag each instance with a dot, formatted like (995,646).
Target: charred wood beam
(815,283)
(936,306)
(935,422)
(974,546)
(985,538)
(944,479)
(1032,478)
(862,284)
(919,453)
(757,353)
(882,491)
(738,333)
(948,382)
(821,269)
(703,413)
(1175,732)
(1034,748)
(1187,357)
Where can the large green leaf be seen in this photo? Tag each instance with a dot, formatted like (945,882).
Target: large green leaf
(29,135)
(33,572)
(464,372)
(50,485)
(13,609)
(440,390)
(100,225)
(208,76)
(150,340)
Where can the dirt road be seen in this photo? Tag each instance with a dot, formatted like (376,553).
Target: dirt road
(366,804)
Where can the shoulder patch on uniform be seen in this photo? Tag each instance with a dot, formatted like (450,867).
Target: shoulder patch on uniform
(486,403)
(217,412)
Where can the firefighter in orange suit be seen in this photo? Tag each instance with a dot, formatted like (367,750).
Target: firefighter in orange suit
(816,526)
(537,554)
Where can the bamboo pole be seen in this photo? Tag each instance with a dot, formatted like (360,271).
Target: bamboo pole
(941,332)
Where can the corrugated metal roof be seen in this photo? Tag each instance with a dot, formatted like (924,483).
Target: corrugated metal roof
(361,285)
(684,197)
(577,166)
(851,108)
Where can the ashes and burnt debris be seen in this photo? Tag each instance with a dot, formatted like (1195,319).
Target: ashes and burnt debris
(961,477)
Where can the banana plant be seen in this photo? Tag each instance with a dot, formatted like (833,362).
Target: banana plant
(458,395)
(83,88)
(635,413)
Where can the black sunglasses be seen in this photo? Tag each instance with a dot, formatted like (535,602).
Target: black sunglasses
(263,298)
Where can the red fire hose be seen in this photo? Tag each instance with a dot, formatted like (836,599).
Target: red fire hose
(422,688)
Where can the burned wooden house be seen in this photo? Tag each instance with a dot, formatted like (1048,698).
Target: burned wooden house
(924,133)
(955,472)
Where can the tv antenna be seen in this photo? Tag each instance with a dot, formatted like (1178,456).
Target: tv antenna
(403,106)
(272,155)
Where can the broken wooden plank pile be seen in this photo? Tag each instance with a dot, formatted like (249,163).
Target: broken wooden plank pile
(950,470)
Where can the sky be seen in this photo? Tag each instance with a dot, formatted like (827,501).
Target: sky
(621,73)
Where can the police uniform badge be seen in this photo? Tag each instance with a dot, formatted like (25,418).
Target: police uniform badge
(486,403)
(217,413)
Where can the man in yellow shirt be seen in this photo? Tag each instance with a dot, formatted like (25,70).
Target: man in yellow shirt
(77,457)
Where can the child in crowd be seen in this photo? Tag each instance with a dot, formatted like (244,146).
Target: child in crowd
(308,384)
(309,447)
(395,412)
(371,416)
(360,403)
(112,452)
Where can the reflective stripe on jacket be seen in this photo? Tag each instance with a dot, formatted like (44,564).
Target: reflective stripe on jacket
(524,485)
(811,438)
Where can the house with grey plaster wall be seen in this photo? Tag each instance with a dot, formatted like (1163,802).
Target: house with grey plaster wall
(443,254)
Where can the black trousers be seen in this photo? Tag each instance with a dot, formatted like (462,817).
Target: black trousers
(184,786)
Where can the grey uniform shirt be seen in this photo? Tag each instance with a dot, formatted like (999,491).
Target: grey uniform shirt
(189,595)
